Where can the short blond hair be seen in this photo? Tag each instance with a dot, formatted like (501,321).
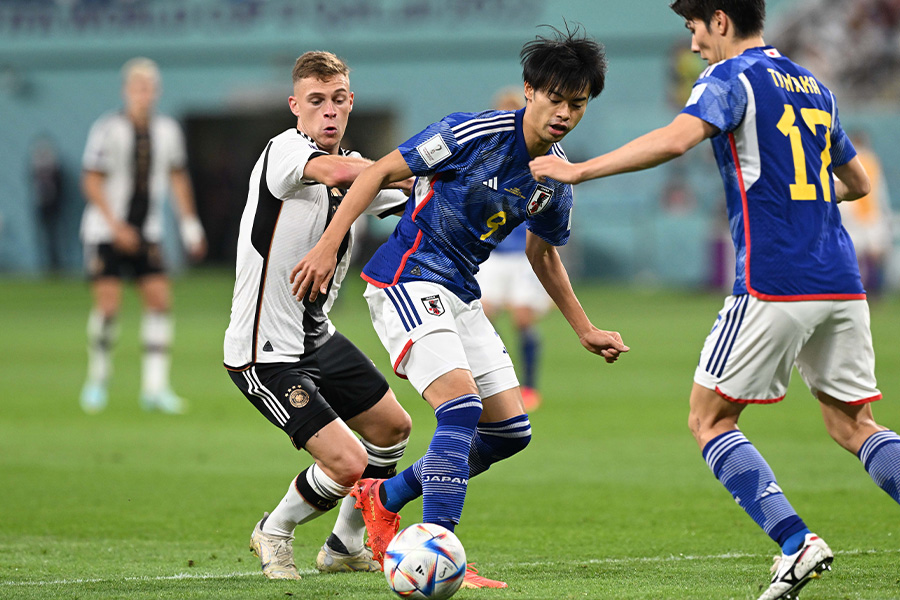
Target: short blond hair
(141,66)
(319,64)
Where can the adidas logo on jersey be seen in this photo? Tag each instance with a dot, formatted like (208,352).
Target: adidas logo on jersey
(268,347)
(491,183)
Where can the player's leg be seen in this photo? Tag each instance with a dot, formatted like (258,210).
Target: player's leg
(287,396)
(525,320)
(361,396)
(102,331)
(838,365)
(731,373)
(157,332)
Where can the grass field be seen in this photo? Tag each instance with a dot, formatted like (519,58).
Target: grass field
(611,500)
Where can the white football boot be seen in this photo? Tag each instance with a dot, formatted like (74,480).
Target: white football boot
(276,554)
(330,560)
(794,571)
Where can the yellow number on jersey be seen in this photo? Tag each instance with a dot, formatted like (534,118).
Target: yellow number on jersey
(494,222)
(802,189)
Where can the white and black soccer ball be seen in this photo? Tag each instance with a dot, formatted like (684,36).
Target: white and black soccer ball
(425,561)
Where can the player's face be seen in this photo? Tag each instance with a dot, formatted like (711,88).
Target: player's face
(140,93)
(550,115)
(702,41)
(322,109)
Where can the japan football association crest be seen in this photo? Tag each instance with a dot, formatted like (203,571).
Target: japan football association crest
(539,200)
(433,305)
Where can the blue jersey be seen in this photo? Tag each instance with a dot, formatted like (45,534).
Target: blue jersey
(779,136)
(473,187)
(514,243)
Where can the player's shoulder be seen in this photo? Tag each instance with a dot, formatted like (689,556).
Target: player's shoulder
(293,139)
(467,126)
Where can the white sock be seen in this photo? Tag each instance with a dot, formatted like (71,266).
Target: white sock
(101,333)
(156,335)
(294,510)
(350,527)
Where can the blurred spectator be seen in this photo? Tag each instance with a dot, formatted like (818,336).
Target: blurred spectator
(46,180)
(868,220)
(684,68)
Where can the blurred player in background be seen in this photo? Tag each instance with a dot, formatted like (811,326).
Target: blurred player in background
(508,282)
(868,220)
(131,160)
(472,188)
(797,297)
(286,356)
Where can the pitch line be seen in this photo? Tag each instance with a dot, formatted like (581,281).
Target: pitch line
(593,561)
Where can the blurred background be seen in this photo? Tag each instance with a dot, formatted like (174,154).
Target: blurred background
(226,78)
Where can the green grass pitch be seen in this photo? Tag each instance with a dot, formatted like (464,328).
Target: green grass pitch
(611,500)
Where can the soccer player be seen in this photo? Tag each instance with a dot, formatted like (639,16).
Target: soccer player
(797,297)
(472,188)
(508,283)
(287,357)
(131,159)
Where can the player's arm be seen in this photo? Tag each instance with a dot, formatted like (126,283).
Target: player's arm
(649,150)
(314,270)
(125,237)
(192,234)
(549,269)
(851,181)
(341,171)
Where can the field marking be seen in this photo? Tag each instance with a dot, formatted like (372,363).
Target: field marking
(593,561)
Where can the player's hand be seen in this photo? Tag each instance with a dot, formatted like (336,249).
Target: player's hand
(555,168)
(404,185)
(607,344)
(313,273)
(126,238)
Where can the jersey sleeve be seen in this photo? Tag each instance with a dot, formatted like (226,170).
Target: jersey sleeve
(287,160)
(720,102)
(97,155)
(386,203)
(433,149)
(842,150)
(178,147)
(554,224)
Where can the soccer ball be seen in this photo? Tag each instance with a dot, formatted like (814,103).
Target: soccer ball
(425,561)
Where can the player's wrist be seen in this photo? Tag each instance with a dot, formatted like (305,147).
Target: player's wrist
(192,234)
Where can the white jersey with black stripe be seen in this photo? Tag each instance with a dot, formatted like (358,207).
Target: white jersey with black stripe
(110,150)
(284,217)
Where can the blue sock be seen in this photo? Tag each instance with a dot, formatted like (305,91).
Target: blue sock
(531,349)
(744,472)
(880,456)
(445,466)
(495,441)
(402,488)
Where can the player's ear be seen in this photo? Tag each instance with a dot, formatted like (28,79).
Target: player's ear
(529,92)
(720,22)
(295,108)
(351,101)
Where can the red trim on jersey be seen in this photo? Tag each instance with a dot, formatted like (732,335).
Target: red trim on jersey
(747,401)
(750,290)
(262,289)
(400,358)
(427,197)
(866,400)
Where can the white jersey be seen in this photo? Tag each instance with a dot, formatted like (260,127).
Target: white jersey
(110,150)
(284,217)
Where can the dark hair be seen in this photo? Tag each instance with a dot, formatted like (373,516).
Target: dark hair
(564,62)
(748,16)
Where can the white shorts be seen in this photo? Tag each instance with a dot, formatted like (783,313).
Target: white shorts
(507,280)
(749,354)
(428,331)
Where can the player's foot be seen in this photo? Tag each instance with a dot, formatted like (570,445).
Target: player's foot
(164,401)
(381,524)
(330,560)
(531,398)
(794,571)
(473,580)
(93,397)
(275,553)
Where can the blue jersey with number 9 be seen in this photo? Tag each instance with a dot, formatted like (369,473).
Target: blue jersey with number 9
(779,137)
(473,187)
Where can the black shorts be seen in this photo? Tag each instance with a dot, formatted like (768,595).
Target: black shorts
(335,381)
(104,260)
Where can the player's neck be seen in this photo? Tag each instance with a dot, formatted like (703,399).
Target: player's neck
(738,47)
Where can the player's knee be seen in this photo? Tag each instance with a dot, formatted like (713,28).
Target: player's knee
(349,465)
